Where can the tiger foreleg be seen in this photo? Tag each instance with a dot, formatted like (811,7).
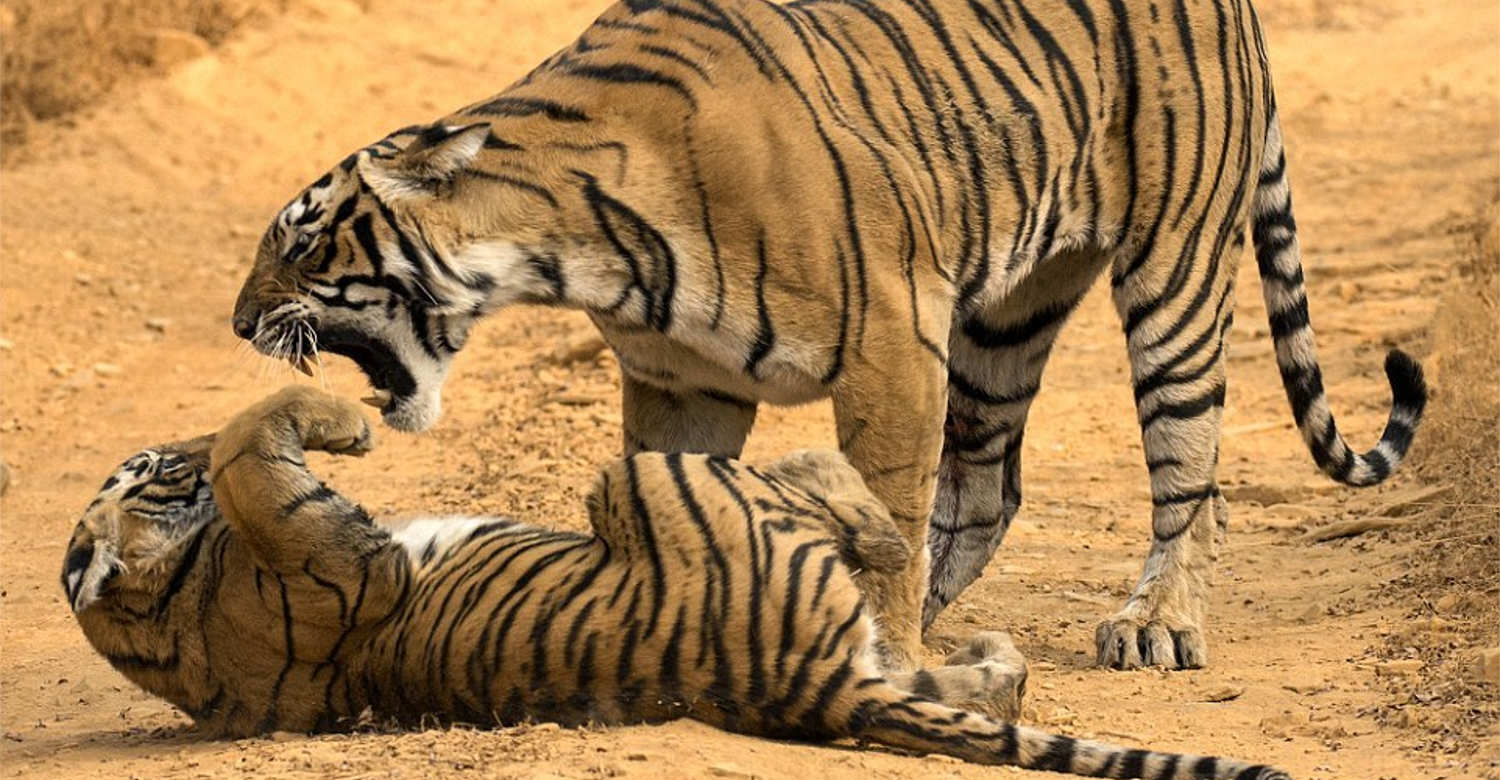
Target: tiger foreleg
(293,523)
(889,420)
(658,420)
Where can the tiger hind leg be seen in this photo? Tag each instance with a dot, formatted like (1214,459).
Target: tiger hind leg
(868,539)
(1176,307)
(987,675)
(877,711)
(996,360)
(888,411)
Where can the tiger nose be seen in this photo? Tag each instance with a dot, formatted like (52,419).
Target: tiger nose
(244,326)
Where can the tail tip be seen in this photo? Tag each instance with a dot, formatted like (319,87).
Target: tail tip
(1408,385)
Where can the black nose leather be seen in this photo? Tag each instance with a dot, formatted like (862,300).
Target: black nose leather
(244,327)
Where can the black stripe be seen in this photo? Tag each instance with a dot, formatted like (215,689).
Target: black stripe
(1016,334)
(319,495)
(765,337)
(531,188)
(517,106)
(623,73)
(641,514)
(925,685)
(968,388)
(1134,763)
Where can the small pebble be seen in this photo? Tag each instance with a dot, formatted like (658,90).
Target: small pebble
(1223,693)
(1459,603)
(577,351)
(1305,685)
(1487,666)
(1402,667)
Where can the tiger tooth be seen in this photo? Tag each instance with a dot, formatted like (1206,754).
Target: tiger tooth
(378,399)
(302,365)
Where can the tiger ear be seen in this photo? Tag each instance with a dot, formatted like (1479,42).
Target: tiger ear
(432,159)
(91,562)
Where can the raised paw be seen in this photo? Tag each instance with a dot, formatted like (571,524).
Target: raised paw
(323,421)
(1128,642)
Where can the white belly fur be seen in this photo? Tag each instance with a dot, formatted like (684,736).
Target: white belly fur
(671,365)
(438,533)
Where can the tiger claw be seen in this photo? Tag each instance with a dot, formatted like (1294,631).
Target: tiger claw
(355,446)
(378,399)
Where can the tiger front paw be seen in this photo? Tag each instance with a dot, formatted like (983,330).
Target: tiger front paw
(323,421)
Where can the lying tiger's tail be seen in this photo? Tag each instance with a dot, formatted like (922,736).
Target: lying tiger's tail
(887,715)
(1279,257)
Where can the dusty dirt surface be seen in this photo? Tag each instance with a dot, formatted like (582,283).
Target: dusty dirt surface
(126,235)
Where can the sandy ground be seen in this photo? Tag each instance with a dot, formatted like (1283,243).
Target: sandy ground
(125,238)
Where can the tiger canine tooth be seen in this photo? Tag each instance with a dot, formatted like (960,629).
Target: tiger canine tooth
(378,398)
(302,365)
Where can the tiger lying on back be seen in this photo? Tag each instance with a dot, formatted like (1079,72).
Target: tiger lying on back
(221,575)
(894,204)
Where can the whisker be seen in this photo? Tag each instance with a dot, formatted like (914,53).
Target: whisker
(243,354)
(311,342)
(418,282)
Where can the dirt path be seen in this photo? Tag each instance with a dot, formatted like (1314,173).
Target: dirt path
(124,243)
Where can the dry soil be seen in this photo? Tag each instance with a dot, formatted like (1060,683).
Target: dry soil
(125,236)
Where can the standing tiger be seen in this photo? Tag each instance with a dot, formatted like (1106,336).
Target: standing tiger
(892,203)
(221,575)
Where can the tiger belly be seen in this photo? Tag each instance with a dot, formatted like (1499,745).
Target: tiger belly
(671,364)
(428,538)
(645,620)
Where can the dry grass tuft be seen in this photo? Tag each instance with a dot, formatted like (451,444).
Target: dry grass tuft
(60,56)
(1454,581)
(1461,434)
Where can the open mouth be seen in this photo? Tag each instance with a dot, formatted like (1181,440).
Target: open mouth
(391,381)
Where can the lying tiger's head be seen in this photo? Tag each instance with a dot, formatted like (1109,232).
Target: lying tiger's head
(134,529)
(367,263)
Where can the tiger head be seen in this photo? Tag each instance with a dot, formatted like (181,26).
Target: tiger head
(133,531)
(370,262)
